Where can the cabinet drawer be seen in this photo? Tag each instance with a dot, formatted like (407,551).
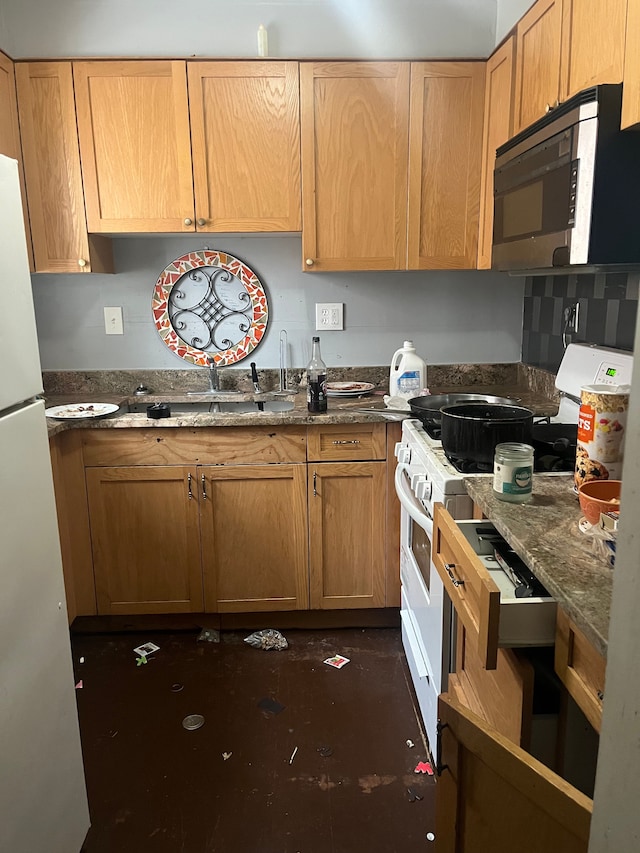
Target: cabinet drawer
(482,594)
(580,667)
(184,446)
(334,442)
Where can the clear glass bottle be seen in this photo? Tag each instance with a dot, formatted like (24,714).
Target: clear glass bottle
(316,381)
(513,472)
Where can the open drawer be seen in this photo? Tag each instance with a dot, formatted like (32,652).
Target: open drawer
(483,595)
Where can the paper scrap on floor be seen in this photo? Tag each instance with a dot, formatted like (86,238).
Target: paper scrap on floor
(337,661)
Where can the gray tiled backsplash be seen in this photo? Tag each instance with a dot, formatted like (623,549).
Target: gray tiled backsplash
(607,314)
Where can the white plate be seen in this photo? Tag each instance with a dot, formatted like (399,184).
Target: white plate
(75,411)
(348,389)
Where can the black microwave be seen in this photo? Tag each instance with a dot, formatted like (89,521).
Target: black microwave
(567,188)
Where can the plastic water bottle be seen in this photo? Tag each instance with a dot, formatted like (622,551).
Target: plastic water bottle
(408,374)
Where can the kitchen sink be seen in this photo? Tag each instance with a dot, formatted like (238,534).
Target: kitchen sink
(216,407)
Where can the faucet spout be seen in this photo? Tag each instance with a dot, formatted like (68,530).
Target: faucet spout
(214,379)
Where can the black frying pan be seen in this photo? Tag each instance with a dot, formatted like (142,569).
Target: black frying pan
(427,408)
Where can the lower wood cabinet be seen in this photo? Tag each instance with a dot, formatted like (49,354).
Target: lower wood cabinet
(145,533)
(347,507)
(228,520)
(254,537)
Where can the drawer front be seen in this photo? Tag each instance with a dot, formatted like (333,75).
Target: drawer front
(336,442)
(188,446)
(482,594)
(580,668)
(473,593)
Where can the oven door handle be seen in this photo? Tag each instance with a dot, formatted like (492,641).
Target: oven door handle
(409,503)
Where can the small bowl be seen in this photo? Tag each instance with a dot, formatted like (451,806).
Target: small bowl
(598,496)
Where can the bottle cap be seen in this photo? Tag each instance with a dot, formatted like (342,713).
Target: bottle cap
(316,339)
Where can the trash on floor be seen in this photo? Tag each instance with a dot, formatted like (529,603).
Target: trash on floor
(293,755)
(142,659)
(227,755)
(177,687)
(325,751)
(410,744)
(146,649)
(267,639)
(413,795)
(193,721)
(209,635)
(430,836)
(424,767)
(337,661)
(81,660)
(79,685)
(270,705)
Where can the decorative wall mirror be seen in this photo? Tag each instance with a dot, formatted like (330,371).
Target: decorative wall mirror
(209,304)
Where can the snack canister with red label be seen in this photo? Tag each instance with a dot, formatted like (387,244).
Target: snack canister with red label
(601,426)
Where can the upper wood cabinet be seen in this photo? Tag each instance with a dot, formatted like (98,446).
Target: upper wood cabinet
(355,129)
(631,89)
(445,164)
(10,135)
(538,50)
(498,127)
(135,148)
(593,37)
(245,136)
(52,171)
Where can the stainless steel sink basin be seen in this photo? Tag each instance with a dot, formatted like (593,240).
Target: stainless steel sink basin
(215,407)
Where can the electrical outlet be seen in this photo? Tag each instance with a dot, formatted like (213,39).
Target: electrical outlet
(113,321)
(329,316)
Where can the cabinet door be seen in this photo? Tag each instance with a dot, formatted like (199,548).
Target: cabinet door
(538,45)
(347,534)
(254,537)
(145,538)
(133,125)
(593,36)
(492,795)
(245,134)
(10,135)
(631,88)
(355,130)
(498,124)
(445,157)
(52,172)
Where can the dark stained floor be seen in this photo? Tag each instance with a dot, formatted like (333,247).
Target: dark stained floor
(154,786)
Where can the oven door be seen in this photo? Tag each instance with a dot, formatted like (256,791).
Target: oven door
(423,596)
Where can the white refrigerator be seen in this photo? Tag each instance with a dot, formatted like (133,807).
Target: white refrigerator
(43,801)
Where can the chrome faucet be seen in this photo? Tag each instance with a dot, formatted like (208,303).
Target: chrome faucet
(214,379)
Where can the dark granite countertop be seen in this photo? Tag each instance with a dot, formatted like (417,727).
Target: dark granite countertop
(545,533)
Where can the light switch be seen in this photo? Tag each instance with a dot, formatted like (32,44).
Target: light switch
(113,321)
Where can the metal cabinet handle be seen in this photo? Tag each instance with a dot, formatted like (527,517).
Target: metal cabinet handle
(202,222)
(189,487)
(82,262)
(204,488)
(188,221)
(315,491)
(349,441)
(309,262)
(440,767)
(449,570)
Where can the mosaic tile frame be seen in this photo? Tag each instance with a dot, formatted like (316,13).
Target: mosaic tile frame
(258,316)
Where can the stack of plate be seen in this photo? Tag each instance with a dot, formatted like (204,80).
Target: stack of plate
(349,389)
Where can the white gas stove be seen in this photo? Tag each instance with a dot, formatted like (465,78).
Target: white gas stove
(424,476)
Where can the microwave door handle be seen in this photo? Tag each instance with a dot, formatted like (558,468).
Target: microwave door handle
(409,503)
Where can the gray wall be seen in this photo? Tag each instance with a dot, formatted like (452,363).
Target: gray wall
(227,28)
(451,316)
(509,13)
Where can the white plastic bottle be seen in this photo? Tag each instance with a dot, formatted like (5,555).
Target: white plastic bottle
(408,374)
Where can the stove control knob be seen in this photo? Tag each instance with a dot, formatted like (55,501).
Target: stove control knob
(403,453)
(416,481)
(423,492)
